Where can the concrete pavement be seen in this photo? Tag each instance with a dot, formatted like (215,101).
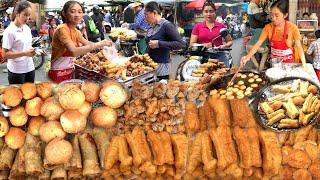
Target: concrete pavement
(237,52)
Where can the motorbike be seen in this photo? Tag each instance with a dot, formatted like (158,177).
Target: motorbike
(198,54)
(39,58)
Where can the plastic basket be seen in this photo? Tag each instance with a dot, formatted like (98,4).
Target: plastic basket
(147,78)
(86,74)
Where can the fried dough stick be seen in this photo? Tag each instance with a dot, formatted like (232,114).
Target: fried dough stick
(139,146)
(180,147)
(248,147)
(192,120)
(112,152)
(210,163)
(209,115)
(242,114)
(221,108)
(194,158)
(224,145)
(124,157)
(271,153)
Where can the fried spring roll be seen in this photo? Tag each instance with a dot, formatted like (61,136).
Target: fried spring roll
(33,160)
(14,172)
(301,116)
(307,102)
(266,108)
(210,163)
(314,104)
(76,161)
(192,121)
(180,147)
(59,174)
(313,99)
(224,145)
(276,105)
(194,158)
(75,174)
(272,156)
(242,114)
(271,115)
(102,140)
(275,119)
(221,108)
(292,111)
(139,146)
(288,123)
(304,88)
(7,157)
(89,155)
(45,175)
(307,118)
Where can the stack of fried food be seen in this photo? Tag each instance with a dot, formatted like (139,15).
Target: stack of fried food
(140,64)
(213,66)
(292,105)
(244,85)
(93,61)
(159,107)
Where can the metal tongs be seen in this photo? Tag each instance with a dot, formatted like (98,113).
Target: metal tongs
(234,76)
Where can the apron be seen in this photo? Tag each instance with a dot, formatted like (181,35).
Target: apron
(62,69)
(280,49)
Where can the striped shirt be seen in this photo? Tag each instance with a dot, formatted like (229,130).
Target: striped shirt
(139,22)
(314,49)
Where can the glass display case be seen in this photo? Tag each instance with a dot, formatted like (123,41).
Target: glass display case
(307,25)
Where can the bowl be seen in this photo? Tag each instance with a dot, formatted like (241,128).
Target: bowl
(275,73)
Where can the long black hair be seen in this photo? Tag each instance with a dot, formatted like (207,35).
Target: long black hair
(65,8)
(153,6)
(21,6)
(209,3)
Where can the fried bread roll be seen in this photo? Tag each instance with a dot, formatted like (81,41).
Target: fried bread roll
(192,121)
(276,118)
(221,108)
(89,155)
(7,156)
(271,151)
(76,160)
(307,102)
(304,88)
(180,147)
(33,160)
(307,118)
(28,90)
(248,147)
(299,159)
(139,146)
(149,169)
(208,159)
(224,145)
(75,174)
(292,110)
(271,115)
(194,158)
(314,169)
(288,123)
(276,105)
(280,89)
(242,114)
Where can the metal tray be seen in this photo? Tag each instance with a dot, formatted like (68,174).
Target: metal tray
(266,92)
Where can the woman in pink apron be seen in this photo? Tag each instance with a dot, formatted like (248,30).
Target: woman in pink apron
(282,34)
(68,43)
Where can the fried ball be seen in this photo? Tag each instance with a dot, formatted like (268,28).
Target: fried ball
(241,83)
(254,85)
(251,80)
(243,76)
(258,80)
(243,87)
(251,75)
(222,92)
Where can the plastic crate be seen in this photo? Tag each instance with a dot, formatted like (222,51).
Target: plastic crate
(86,74)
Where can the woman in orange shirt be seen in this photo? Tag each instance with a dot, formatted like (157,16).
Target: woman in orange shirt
(282,34)
(68,43)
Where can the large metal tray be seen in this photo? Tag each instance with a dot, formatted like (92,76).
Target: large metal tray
(265,93)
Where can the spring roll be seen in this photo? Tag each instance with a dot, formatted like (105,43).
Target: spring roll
(45,175)
(307,118)
(4,174)
(291,111)
(59,174)
(306,103)
(102,139)
(288,123)
(75,174)
(242,114)
(76,161)
(266,108)
(33,160)
(7,157)
(313,100)
(89,156)
(314,105)
(304,88)
(15,170)
(19,167)
(271,115)
(275,119)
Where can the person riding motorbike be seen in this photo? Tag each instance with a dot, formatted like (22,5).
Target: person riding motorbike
(207,33)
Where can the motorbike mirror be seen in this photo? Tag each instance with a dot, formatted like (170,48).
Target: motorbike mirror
(223,32)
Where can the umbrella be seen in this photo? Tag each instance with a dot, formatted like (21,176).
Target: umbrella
(196,4)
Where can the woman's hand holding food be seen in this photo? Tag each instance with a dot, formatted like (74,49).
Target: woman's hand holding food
(104,43)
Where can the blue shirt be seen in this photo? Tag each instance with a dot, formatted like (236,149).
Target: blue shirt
(139,22)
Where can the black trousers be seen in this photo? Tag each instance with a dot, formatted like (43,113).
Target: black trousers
(163,77)
(15,78)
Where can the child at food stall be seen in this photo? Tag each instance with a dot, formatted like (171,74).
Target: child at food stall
(314,50)
(282,34)
(68,43)
(17,46)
